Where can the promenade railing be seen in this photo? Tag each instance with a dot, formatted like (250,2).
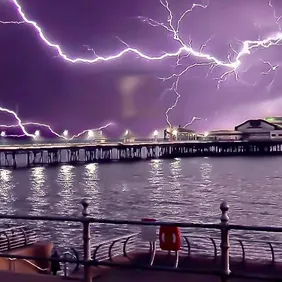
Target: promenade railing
(92,255)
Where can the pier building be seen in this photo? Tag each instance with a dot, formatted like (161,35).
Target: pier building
(223,135)
(185,134)
(275,120)
(253,129)
(179,134)
(258,129)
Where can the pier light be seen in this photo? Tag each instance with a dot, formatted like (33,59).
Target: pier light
(126,132)
(206,134)
(174,132)
(65,133)
(3,134)
(90,133)
(155,133)
(37,133)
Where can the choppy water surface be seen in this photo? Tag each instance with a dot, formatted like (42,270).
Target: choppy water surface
(180,189)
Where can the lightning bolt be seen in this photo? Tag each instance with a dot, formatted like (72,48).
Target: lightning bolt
(271,69)
(191,121)
(184,50)
(19,121)
(277,18)
(22,125)
(12,22)
(248,45)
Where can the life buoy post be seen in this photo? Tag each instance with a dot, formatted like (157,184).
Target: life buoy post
(170,240)
(149,234)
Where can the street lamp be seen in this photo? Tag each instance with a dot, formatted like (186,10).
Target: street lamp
(155,135)
(90,134)
(37,133)
(65,133)
(174,134)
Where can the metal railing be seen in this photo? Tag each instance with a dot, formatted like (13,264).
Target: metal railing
(16,237)
(107,250)
(12,265)
(192,246)
(73,255)
(104,253)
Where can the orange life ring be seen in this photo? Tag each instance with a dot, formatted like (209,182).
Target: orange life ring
(170,238)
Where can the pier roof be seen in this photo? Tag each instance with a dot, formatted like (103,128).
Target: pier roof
(185,130)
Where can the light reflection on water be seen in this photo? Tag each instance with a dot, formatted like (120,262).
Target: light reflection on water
(39,190)
(179,189)
(7,185)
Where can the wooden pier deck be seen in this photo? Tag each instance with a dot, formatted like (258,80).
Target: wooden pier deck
(119,275)
(29,155)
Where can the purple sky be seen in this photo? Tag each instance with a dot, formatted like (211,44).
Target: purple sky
(45,88)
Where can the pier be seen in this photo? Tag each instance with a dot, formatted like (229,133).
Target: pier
(221,258)
(30,155)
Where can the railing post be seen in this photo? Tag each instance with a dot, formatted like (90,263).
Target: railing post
(86,241)
(224,245)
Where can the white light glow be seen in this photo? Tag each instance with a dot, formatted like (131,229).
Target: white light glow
(90,134)
(155,133)
(37,133)
(65,133)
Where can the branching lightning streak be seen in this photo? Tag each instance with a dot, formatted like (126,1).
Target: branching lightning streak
(12,22)
(248,45)
(277,18)
(271,67)
(183,50)
(23,124)
(191,122)
(19,124)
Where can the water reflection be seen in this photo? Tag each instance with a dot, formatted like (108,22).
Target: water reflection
(91,187)
(203,195)
(206,170)
(39,189)
(38,180)
(155,192)
(176,172)
(65,181)
(7,197)
(174,199)
(184,190)
(156,173)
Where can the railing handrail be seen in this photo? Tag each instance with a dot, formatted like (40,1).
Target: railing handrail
(115,239)
(29,262)
(36,266)
(86,220)
(143,223)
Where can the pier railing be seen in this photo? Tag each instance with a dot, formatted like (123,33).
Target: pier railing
(103,253)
